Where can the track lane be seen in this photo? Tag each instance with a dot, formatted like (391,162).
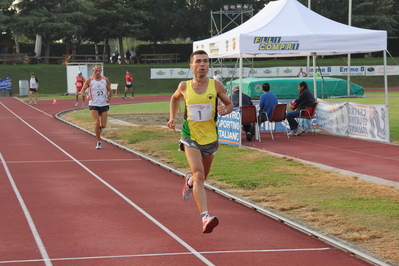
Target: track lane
(84,223)
(53,177)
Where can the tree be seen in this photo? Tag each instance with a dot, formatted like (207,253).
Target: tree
(82,20)
(159,24)
(395,9)
(368,14)
(193,17)
(6,12)
(52,19)
(116,19)
(377,15)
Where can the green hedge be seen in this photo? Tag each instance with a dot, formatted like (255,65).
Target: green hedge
(53,78)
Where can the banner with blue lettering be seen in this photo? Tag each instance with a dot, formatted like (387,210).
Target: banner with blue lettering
(354,120)
(333,117)
(368,121)
(5,84)
(229,128)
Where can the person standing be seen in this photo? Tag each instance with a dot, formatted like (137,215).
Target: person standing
(129,78)
(199,137)
(127,58)
(80,80)
(99,97)
(266,103)
(301,73)
(305,101)
(33,88)
(216,76)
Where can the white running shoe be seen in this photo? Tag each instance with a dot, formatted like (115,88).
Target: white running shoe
(132,98)
(208,223)
(99,145)
(299,131)
(187,190)
(76,104)
(292,133)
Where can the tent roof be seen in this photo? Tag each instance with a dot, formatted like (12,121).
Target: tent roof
(287,28)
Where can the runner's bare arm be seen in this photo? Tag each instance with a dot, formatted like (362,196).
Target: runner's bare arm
(109,90)
(227,106)
(175,103)
(83,90)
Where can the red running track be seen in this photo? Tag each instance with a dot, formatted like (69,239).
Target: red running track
(65,203)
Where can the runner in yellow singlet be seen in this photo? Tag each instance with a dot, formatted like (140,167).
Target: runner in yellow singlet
(199,138)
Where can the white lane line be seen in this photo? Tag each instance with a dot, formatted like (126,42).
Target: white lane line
(32,107)
(170,233)
(32,226)
(174,254)
(68,161)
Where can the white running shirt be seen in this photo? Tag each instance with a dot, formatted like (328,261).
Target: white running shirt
(98,92)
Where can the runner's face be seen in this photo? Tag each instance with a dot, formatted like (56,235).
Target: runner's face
(200,64)
(97,72)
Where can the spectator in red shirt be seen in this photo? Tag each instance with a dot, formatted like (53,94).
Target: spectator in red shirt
(129,78)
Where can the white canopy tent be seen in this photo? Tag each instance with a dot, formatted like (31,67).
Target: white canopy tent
(286,28)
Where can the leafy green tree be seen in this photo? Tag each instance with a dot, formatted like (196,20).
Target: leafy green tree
(159,23)
(395,9)
(52,19)
(377,15)
(368,14)
(6,12)
(116,19)
(82,21)
(193,17)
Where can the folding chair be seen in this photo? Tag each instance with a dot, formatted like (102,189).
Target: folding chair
(305,114)
(248,116)
(114,87)
(279,114)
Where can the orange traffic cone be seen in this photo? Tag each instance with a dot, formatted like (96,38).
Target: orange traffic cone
(54,101)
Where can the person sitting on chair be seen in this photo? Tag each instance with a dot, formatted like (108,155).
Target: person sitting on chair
(266,104)
(246,100)
(305,101)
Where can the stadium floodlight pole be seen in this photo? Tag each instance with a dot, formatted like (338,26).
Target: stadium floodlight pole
(349,55)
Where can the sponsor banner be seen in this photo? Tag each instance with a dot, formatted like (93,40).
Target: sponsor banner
(5,84)
(338,118)
(171,73)
(229,128)
(326,71)
(333,117)
(379,70)
(368,121)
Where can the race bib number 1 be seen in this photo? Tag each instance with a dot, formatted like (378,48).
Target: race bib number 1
(200,112)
